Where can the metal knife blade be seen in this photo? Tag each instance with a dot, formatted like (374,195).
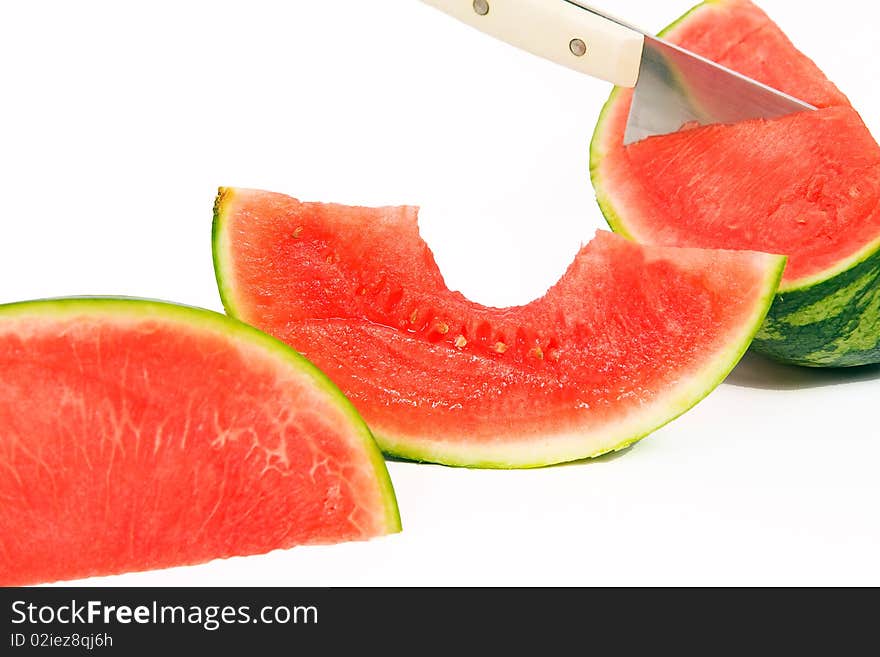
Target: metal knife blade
(673,86)
(677,87)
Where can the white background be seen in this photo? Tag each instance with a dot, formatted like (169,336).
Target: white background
(119,120)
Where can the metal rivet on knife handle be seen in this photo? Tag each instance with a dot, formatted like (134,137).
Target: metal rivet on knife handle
(481,7)
(578,47)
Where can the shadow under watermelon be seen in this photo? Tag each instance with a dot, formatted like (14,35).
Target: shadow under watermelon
(756,371)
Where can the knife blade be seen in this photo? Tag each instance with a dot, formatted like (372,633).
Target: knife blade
(673,87)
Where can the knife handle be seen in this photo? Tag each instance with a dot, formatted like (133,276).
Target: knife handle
(557,30)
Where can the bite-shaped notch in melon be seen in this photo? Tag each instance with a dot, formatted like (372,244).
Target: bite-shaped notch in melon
(137,435)
(806,185)
(627,340)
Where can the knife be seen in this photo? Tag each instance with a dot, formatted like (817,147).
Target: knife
(673,86)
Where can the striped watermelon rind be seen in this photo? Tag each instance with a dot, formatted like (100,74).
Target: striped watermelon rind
(828,320)
(834,322)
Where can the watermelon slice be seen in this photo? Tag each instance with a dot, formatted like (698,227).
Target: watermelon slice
(807,185)
(137,435)
(629,338)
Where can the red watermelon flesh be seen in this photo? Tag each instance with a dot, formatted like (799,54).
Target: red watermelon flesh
(628,339)
(137,435)
(807,185)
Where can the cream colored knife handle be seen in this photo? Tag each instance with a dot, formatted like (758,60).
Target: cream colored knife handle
(559,31)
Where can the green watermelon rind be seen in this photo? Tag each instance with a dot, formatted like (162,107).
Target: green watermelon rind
(560,447)
(218,248)
(812,322)
(833,323)
(237,330)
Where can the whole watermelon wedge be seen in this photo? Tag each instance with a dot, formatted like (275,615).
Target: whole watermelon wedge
(137,435)
(807,186)
(630,338)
